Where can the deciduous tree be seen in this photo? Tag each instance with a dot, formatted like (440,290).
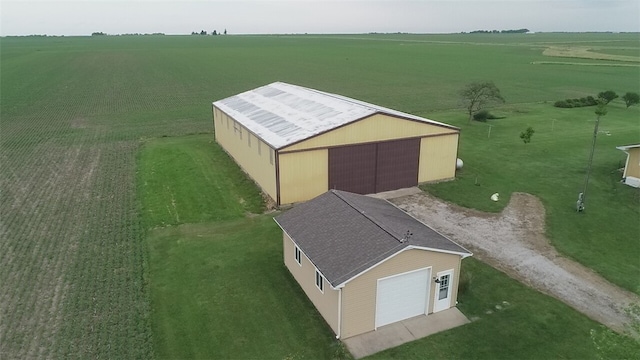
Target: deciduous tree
(478,95)
(631,99)
(607,96)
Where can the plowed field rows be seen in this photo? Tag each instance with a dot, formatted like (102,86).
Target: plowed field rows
(75,111)
(72,279)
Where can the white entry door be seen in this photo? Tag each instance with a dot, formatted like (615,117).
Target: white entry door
(444,284)
(402,296)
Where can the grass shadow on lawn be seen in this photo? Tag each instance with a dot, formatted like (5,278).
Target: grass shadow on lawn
(221,291)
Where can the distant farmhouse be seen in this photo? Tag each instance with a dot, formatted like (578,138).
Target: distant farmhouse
(296,143)
(364,263)
(631,175)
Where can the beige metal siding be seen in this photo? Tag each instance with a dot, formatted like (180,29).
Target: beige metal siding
(438,158)
(632,167)
(377,127)
(249,152)
(359,295)
(305,275)
(303,175)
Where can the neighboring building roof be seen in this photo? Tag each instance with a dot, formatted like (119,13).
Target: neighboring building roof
(344,234)
(627,147)
(282,114)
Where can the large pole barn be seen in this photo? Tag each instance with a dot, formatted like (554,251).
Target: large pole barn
(296,143)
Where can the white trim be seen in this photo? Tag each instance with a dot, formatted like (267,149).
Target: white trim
(308,124)
(297,254)
(450,272)
(626,166)
(339,313)
(426,307)
(321,287)
(342,284)
(305,255)
(463,255)
(627,147)
(410,247)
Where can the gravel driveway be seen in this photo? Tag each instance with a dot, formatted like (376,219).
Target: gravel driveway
(514,242)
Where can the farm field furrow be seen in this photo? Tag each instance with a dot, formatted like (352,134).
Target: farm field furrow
(77,112)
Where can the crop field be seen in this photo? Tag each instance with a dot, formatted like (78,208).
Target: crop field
(76,112)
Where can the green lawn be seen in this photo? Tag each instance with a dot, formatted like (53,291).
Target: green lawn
(191,179)
(219,289)
(553,167)
(511,320)
(76,112)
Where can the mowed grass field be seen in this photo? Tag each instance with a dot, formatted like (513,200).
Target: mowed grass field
(606,236)
(75,113)
(219,289)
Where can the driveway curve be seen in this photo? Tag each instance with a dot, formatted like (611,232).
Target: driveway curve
(514,242)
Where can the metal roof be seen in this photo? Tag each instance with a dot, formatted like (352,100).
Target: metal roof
(282,114)
(345,234)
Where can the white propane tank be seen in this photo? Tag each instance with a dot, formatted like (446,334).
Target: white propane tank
(459,164)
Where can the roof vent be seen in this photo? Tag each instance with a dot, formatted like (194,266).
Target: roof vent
(406,237)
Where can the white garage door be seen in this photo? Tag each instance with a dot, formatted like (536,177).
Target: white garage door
(402,296)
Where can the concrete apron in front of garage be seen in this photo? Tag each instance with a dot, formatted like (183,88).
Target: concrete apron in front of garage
(401,332)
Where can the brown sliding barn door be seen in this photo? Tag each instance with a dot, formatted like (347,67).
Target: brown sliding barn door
(372,168)
(353,168)
(397,165)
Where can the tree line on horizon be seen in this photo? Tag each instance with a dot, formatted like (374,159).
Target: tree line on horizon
(517,31)
(214,32)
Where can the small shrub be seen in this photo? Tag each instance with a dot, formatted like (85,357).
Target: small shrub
(481,115)
(527,134)
(573,103)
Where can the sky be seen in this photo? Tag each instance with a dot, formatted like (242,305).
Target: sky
(54,17)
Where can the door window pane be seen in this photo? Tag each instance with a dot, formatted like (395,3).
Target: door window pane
(444,287)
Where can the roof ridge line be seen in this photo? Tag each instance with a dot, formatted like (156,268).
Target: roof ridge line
(363,213)
(350,100)
(378,109)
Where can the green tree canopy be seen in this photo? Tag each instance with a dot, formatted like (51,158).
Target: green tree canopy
(607,96)
(631,99)
(478,95)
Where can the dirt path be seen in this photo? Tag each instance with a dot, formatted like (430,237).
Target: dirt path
(514,242)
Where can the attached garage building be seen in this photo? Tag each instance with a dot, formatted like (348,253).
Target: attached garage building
(364,263)
(296,143)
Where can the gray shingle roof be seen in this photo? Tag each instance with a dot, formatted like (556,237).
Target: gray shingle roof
(282,114)
(344,234)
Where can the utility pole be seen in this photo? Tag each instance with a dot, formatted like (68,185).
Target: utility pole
(600,111)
